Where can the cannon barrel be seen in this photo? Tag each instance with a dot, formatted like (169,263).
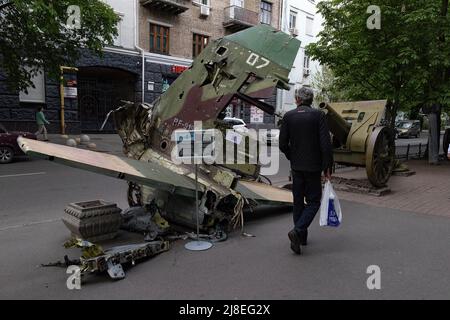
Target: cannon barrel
(338,126)
(360,137)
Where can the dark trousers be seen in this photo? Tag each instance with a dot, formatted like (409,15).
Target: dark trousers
(307,191)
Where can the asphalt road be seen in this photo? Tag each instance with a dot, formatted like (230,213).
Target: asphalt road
(410,249)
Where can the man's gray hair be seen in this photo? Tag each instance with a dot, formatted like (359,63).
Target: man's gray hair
(306,95)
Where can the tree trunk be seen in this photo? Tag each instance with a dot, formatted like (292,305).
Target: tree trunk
(434,111)
(439,122)
(434,139)
(394,107)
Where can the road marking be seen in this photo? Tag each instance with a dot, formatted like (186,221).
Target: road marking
(22,174)
(30,224)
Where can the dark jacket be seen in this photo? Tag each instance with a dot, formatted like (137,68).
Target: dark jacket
(305,139)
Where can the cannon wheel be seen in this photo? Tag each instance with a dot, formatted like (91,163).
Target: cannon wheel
(380,156)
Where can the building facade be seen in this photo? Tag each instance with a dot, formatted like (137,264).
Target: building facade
(90,92)
(179,29)
(158,39)
(300,19)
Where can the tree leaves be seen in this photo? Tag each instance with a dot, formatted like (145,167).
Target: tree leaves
(400,62)
(35,36)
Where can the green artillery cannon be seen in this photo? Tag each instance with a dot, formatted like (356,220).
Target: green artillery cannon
(361,137)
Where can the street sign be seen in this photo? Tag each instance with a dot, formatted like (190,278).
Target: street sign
(70,92)
(256,115)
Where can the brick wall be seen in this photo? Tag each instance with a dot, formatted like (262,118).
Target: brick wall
(183,26)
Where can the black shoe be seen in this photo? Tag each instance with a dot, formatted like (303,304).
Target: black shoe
(303,235)
(295,242)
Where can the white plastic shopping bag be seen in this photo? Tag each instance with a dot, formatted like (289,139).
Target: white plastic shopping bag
(330,208)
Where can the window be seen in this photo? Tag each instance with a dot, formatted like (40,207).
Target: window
(306,63)
(198,44)
(292,20)
(36,94)
(239,3)
(203,2)
(266,12)
(309,26)
(159,39)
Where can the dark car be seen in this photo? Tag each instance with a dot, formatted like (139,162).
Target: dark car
(9,149)
(408,128)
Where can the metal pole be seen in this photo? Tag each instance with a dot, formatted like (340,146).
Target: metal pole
(197,245)
(196,201)
(61,93)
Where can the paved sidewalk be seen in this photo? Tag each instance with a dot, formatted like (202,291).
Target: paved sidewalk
(109,143)
(428,191)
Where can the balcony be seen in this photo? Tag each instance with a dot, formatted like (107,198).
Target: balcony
(238,18)
(171,6)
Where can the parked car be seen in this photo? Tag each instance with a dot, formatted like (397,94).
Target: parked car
(239,125)
(272,137)
(408,128)
(9,149)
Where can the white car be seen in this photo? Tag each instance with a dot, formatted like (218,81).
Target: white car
(238,125)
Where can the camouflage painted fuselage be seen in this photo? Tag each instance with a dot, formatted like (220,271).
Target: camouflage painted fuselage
(248,65)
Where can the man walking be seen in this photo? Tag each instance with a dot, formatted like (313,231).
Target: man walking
(41,121)
(305,140)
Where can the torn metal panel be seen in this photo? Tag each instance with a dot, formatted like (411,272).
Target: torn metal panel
(96,260)
(145,220)
(263,192)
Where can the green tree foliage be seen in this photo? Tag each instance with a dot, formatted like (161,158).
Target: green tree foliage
(406,61)
(325,87)
(42,34)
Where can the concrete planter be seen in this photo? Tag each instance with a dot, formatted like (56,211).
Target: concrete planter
(94,221)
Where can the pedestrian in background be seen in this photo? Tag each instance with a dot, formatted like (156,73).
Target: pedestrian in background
(305,140)
(41,121)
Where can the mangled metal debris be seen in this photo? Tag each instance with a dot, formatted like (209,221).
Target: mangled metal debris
(146,220)
(67,262)
(96,260)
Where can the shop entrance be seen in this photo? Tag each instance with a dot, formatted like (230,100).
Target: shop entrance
(101,90)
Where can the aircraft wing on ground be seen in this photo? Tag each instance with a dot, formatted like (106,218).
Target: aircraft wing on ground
(150,174)
(147,173)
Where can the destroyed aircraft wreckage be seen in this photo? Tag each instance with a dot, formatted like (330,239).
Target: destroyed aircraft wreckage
(249,65)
